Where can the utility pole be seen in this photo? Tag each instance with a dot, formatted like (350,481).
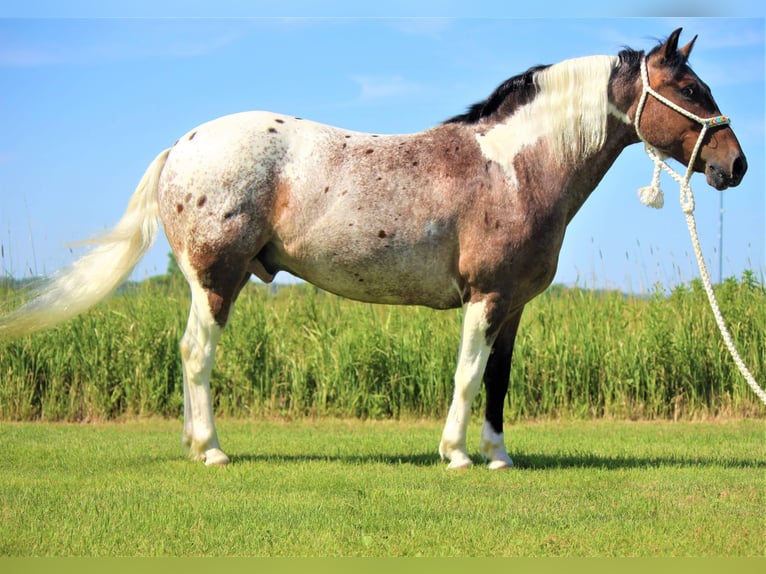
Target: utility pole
(720,238)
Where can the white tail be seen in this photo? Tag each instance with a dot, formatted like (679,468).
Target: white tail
(78,287)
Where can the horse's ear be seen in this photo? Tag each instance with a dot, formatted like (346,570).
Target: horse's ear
(671,45)
(686,50)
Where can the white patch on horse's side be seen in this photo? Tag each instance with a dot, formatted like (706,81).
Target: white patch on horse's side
(493,448)
(570,110)
(472,361)
(197,354)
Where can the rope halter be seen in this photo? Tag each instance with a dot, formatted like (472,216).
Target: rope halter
(652,195)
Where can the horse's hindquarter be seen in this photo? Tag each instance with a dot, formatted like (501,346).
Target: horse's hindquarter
(216,189)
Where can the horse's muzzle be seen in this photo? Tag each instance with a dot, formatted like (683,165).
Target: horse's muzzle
(722,177)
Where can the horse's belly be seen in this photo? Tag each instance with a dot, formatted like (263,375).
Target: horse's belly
(407,291)
(396,277)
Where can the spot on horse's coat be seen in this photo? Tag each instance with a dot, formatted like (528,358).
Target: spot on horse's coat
(201,201)
(187,197)
(179,208)
(279,121)
(191,136)
(327,188)
(272,130)
(382,234)
(368,151)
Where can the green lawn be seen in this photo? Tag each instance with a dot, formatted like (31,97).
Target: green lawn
(350,488)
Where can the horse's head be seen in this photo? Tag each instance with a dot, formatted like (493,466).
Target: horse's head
(676,107)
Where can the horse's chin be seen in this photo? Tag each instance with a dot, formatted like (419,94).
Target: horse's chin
(718,179)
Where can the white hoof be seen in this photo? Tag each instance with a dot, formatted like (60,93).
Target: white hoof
(216,457)
(458,459)
(492,448)
(459,464)
(500,464)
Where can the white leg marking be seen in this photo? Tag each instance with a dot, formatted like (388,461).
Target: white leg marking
(198,353)
(493,448)
(472,360)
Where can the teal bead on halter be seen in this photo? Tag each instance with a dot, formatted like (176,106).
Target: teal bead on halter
(717,121)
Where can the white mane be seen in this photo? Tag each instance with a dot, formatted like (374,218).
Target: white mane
(573,102)
(570,110)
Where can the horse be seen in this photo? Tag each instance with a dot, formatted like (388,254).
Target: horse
(470,213)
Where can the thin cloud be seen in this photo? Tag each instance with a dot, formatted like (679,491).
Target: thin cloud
(434,27)
(385,87)
(27,57)
(118,41)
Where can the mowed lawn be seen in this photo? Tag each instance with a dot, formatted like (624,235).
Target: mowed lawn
(354,488)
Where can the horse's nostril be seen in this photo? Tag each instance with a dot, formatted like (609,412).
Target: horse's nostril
(738,168)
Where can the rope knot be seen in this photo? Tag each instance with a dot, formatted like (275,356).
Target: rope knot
(687,198)
(652,195)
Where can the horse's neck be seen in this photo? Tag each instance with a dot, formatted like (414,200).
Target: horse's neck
(586,174)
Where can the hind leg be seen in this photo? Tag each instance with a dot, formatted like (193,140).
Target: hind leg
(198,346)
(212,297)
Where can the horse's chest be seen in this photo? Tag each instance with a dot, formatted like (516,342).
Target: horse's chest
(515,248)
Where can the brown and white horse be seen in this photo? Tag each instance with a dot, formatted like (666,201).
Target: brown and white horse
(470,213)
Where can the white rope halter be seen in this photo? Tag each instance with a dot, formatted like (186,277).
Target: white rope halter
(653,196)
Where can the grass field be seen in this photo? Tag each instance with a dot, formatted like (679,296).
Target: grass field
(356,472)
(376,488)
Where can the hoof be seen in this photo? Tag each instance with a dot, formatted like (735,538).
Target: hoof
(216,457)
(458,461)
(459,465)
(500,464)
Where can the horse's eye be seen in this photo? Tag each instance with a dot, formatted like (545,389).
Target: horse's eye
(688,92)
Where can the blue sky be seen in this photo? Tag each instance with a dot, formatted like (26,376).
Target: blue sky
(87,103)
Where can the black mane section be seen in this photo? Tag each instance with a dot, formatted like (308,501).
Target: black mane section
(519,90)
(514,92)
(630,64)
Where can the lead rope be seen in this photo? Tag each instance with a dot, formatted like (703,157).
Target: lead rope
(653,196)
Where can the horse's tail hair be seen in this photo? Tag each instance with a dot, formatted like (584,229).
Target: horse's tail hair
(78,287)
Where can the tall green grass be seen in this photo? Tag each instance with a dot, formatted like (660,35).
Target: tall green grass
(301,352)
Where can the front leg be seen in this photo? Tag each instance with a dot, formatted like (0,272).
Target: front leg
(496,378)
(475,348)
